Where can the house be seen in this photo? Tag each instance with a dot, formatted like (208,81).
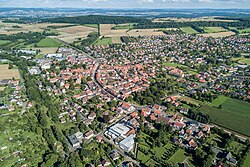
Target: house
(127,107)
(99,139)
(230,158)
(104,162)
(192,144)
(88,135)
(92,115)
(114,155)
(74,141)
(145,112)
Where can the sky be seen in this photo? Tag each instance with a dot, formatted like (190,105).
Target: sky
(156,4)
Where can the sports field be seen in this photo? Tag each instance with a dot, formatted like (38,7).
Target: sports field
(48,42)
(234,115)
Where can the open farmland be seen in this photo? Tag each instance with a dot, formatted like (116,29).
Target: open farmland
(213,29)
(3,42)
(7,28)
(48,42)
(103,41)
(73,33)
(227,119)
(107,31)
(218,101)
(245,61)
(218,34)
(189,30)
(7,73)
(191,19)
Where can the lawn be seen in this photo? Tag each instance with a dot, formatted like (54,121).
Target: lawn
(142,157)
(48,42)
(236,147)
(247,161)
(213,29)
(189,30)
(3,42)
(178,157)
(218,101)
(103,41)
(228,119)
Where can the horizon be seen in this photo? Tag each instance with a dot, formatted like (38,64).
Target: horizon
(128,4)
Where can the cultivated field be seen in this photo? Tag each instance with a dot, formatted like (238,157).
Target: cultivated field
(213,29)
(218,101)
(233,115)
(7,73)
(7,28)
(71,34)
(46,50)
(48,42)
(218,34)
(190,19)
(107,31)
(189,30)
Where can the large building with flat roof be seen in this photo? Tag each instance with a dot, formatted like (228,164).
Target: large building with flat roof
(118,130)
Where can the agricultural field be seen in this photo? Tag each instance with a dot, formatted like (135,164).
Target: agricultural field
(218,34)
(213,29)
(147,32)
(124,26)
(91,25)
(191,19)
(48,42)
(7,73)
(73,33)
(228,119)
(218,101)
(188,30)
(7,28)
(103,41)
(246,30)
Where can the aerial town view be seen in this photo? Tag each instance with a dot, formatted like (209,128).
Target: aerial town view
(135,83)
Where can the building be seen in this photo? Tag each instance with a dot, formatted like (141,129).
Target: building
(74,141)
(127,144)
(118,130)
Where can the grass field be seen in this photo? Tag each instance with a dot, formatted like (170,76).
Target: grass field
(247,161)
(246,30)
(91,25)
(178,157)
(245,61)
(3,42)
(218,34)
(213,29)
(232,119)
(189,30)
(48,42)
(103,41)
(7,73)
(218,101)
(123,26)
(169,64)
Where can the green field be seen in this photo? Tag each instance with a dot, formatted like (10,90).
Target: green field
(48,42)
(189,30)
(191,71)
(246,30)
(247,161)
(245,61)
(91,25)
(103,41)
(219,100)
(3,42)
(178,157)
(232,119)
(123,26)
(213,29)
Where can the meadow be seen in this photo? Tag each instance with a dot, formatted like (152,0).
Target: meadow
(189,30)
(103,41)
(48,42)
(213,29)
(7,73)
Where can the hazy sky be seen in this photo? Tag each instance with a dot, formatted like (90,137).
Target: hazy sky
(128,3)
